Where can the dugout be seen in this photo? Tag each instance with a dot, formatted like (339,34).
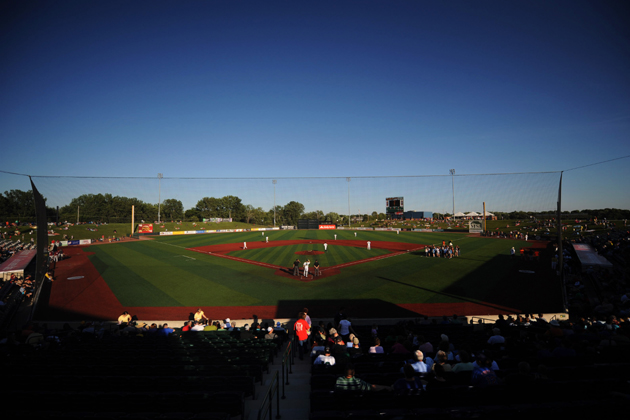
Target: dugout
(588,257)
(20,262)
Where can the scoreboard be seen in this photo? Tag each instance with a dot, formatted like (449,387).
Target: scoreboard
(394,205)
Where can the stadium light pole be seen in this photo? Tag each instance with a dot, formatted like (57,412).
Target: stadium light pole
(452,171)
(348,179)
(159,195)
(274,202)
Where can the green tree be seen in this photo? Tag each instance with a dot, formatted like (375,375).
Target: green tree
(332,217)
(279,216)
(172,209)
(292,212)
(18,205)
(250,212)
(208,207)
(259,216)
(232,207)
(310,215)
(192,215)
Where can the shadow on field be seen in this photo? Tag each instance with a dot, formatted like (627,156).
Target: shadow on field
(449,295)
(528,285)
(359,308)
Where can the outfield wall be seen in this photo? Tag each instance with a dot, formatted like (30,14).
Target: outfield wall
(199,232)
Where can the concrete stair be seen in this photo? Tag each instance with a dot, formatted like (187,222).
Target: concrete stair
(296,402)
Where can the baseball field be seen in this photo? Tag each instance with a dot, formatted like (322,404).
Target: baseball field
(169,277)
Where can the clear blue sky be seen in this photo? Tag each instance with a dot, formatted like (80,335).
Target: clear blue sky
(318,88)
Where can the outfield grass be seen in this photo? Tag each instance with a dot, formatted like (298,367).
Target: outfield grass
(163,272)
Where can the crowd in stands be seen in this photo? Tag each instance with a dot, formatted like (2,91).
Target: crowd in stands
(515,360)
(450,360)
(134,370)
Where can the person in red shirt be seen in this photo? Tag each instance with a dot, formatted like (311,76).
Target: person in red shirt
(302,330)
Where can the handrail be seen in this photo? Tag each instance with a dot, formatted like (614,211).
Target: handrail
(287,362)
(266,406)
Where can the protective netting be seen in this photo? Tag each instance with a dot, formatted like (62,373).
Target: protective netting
(438,194)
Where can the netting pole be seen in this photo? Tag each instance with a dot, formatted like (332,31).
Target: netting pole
(452,172)
(159,195)
(559,222)
(348,180)
(41,262)
(484,217)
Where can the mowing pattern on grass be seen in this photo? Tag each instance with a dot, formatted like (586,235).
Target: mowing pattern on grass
(164,279)
(347,252)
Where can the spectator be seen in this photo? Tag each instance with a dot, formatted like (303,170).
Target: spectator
(483,376)
(271,335)
(165,330)
(348,382)
(325,359)
(464,365)
(496,338)
(124,319)
(410,383)
(302,331)
(377,348)
(200,317)
(417,364)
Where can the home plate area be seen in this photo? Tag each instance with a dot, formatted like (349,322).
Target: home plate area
(221,251)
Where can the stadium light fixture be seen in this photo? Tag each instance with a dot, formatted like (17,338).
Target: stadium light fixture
(159,195)
(452,172)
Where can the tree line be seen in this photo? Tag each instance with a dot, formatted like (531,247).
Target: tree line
(19,206)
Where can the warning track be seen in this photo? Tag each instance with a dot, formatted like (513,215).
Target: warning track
(221,251)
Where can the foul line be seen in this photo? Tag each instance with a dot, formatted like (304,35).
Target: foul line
(380,257)
(177,246)
(229,257)
(185,256)
(166,243)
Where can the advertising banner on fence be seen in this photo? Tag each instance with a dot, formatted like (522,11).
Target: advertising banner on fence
(145,228)
(327,227)
(200,232)
(76,242)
